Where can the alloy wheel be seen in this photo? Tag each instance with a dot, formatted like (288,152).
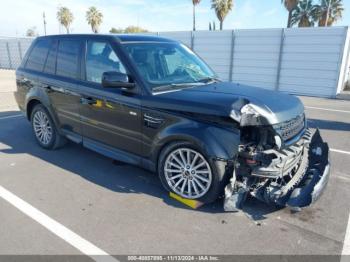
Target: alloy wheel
(42,127)
(188,173)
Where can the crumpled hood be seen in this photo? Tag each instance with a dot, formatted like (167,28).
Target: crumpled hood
(220,98)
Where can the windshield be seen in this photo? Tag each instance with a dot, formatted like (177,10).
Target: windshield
(163,64)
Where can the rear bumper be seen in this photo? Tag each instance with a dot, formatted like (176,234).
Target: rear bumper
(19,100)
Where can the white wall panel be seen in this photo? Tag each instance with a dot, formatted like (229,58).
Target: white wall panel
(215,48)
(311,61)
(256,56)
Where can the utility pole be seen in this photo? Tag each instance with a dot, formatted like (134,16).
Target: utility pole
(328,11)
(44,19)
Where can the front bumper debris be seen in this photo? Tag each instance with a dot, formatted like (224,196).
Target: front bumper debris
(297,183)
(317,175)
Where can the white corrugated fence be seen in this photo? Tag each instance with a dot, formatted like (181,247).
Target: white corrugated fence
(304,61)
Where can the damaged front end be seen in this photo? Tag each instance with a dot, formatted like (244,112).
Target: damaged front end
(282,164)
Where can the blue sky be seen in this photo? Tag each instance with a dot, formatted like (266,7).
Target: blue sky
(16,16)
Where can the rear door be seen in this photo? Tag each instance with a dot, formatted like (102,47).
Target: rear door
(111,117)
(60,80)
(30,69)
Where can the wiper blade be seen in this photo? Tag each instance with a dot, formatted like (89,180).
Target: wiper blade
(208,80)
(174,86)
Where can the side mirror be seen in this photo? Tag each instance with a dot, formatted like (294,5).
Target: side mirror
(116,79)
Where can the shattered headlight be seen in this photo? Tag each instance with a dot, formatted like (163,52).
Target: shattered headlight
(248,109)
(252,110)
(236,115)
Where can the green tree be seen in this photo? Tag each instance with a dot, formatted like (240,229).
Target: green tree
(305,14)
(222,8)
(290,5)
(32,32)
(135,29)
(65,17)
(94,18)
(329,12)
(116,30)
(194,3)
(129,30)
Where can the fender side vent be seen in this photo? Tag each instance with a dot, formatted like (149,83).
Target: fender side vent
(152,121)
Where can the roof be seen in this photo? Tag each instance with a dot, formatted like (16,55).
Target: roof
(140,37)
(120,37)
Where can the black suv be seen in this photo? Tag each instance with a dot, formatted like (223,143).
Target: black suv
(152,102)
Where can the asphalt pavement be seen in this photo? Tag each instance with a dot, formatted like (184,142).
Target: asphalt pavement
(120,209)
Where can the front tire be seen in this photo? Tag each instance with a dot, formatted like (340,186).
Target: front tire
(44,129)
(186,171)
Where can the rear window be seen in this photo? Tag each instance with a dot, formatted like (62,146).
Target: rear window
(68,58)
(37,56)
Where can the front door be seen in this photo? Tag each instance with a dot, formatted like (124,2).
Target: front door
(111,117)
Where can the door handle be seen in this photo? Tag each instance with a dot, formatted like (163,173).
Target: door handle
(87,101)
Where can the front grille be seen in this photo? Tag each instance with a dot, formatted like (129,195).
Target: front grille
(290,128)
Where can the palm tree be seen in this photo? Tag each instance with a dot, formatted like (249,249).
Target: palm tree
(222,8)
(194,3)
(94,18)
(305,14)
(65,17)
(290,5)
(329,12)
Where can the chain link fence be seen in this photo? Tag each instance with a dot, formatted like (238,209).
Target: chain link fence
(12,51)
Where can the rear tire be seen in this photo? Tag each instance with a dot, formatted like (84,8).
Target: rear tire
(44,129)
(185,170)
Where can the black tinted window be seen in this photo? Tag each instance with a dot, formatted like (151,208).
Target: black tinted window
(50,66)
(68,58)
(37,57)
(101,58)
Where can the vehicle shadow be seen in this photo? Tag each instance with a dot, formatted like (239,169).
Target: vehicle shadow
(16,137)
(4,114)
(330,125)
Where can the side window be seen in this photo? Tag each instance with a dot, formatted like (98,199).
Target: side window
(50,66)
(68,58)
(37,56)
(101,58)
